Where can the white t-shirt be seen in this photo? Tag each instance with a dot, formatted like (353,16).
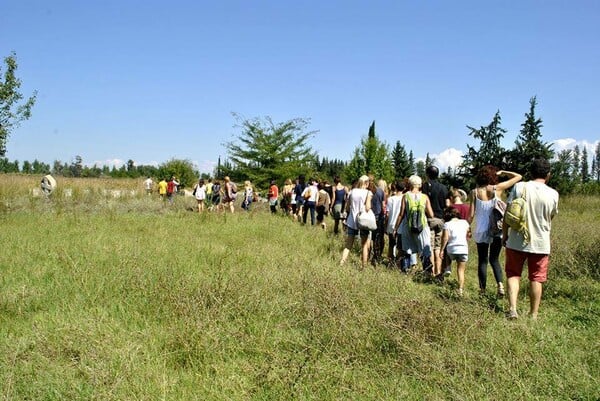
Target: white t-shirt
(201,192)
(457,236)
(148,183)
(358,197)
(394,203)
(542,206)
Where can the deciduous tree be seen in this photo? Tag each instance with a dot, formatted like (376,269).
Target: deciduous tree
(265,150)
(12,110)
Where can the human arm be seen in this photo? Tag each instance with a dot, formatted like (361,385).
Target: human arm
(444,239)
(428,209)
(472,206)
(400,215)
(368,201)
(513,178)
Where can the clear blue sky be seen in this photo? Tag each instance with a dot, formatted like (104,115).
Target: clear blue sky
(152,80)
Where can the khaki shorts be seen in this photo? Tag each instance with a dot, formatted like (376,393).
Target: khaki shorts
(436,226)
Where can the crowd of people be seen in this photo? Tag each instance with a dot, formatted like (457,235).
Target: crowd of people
(424,222)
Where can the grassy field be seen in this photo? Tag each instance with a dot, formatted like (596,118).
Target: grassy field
(131,299)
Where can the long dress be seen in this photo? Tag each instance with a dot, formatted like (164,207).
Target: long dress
(413,243)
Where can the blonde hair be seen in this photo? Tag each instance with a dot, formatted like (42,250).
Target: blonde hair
(247,184)
(415,181)
(363,181)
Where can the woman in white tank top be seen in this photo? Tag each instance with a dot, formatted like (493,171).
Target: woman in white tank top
(482,203)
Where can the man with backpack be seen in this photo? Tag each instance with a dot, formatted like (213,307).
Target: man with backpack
(531,244)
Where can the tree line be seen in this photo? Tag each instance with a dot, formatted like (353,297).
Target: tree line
(265,150)
(252,156)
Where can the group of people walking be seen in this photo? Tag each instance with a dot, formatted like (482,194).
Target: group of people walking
(423,221)
(427,221)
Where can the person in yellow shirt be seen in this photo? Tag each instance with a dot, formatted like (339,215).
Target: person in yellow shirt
(162,189)
(209,193)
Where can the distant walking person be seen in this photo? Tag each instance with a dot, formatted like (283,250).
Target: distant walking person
(162,189)
(248,196)
(273,196)
(310,196)
(148,185)
(359,200)
(338,201)
(172,189)
(438,197)
(216,196)
(323,205)
(200,194)
(229,194)
(541,207)
(394,204)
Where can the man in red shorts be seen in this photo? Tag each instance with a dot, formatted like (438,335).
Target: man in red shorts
(542,206)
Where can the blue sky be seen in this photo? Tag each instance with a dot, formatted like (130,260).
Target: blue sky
(152,80)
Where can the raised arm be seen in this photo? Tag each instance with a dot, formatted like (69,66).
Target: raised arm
(472,206)
(513,178)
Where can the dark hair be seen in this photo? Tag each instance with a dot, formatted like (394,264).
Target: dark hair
(486,176)
(336,179)
(400,186)
(201,182)
(432,172)
(450,213)
(540,168)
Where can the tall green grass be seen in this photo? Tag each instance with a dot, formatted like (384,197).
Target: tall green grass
(133,299)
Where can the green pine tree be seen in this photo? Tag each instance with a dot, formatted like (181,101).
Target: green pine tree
(529,144)
(371,157)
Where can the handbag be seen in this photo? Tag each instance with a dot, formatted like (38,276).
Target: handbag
(367,221)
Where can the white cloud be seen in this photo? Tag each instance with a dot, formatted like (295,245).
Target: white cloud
(205,166)
(448,158)
(110,163)
(570,143)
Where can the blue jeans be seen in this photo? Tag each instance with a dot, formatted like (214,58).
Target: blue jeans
(308,205)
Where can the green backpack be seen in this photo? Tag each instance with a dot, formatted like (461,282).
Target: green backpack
(416,209)
(515,215)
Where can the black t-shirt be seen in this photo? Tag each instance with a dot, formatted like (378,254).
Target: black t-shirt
(438,193)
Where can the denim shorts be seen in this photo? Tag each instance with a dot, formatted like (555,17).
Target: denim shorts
(459,257)
(352,232)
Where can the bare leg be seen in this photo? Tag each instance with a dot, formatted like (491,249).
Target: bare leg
(535,297)
(437,262)
(347,246)
(513,292)
(366,247)
(460,272)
